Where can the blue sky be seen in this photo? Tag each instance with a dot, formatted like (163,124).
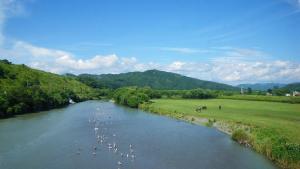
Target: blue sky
(228,41)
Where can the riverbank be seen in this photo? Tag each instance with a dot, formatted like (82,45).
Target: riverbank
(269,128)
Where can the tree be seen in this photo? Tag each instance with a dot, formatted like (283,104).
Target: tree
(249,90)
(133,101)
(5,61)
(269,91)
(2,72)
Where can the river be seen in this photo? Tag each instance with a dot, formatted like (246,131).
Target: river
(103,135)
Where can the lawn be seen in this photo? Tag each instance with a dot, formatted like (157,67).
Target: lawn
(271,123)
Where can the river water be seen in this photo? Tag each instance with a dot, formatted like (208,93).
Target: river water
(102,135)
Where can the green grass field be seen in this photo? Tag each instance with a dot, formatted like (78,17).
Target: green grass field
(283,99)
(274,127)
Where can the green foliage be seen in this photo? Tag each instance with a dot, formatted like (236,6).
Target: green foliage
(23,90)
(281,92)
(199,94)
(131,96)
(277,147)
(292,87)
(151,78)
(249,90)
(240,136)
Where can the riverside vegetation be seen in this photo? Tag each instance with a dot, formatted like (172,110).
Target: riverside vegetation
(268,126)
(24,90)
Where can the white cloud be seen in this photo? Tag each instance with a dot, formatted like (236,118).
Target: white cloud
(59,61)
(8,8)
(233,68)
(233,65)
(240,71)
(177,65)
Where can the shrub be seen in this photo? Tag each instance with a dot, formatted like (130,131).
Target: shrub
(241,136)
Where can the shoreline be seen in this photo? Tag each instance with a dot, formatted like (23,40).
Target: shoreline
(252,133)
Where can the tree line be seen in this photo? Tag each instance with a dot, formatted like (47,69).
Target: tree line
(133,96)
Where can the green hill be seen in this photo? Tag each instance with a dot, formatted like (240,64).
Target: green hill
(152,78)
(23,90)
(292,87)
(261,86)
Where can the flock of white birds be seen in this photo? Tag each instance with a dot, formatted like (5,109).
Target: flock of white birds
(107,140)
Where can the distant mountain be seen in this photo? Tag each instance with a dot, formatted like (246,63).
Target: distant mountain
(23,89)
(153,78)
(261,86)
(292,87)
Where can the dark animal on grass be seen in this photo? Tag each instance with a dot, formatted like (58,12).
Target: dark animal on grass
(204,107)
(220,107)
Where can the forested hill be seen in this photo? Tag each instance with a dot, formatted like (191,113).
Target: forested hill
(292,87)
(152,78)
(262,86)
(23,90)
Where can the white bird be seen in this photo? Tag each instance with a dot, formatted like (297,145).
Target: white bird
(119,163)
(133,156)
(109,146)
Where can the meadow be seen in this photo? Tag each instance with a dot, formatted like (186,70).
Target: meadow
(271,128)
(283,99)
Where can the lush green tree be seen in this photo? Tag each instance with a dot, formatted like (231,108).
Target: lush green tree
(132,101)
(249,90)
(23,90)
(269,90)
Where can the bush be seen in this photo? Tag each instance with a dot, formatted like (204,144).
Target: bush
(131,96)
(133,101)
(240,136)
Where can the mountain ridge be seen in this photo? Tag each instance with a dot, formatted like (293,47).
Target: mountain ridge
(261,86)
(153,78)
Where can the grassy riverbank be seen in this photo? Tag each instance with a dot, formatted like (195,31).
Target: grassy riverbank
(268,127)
